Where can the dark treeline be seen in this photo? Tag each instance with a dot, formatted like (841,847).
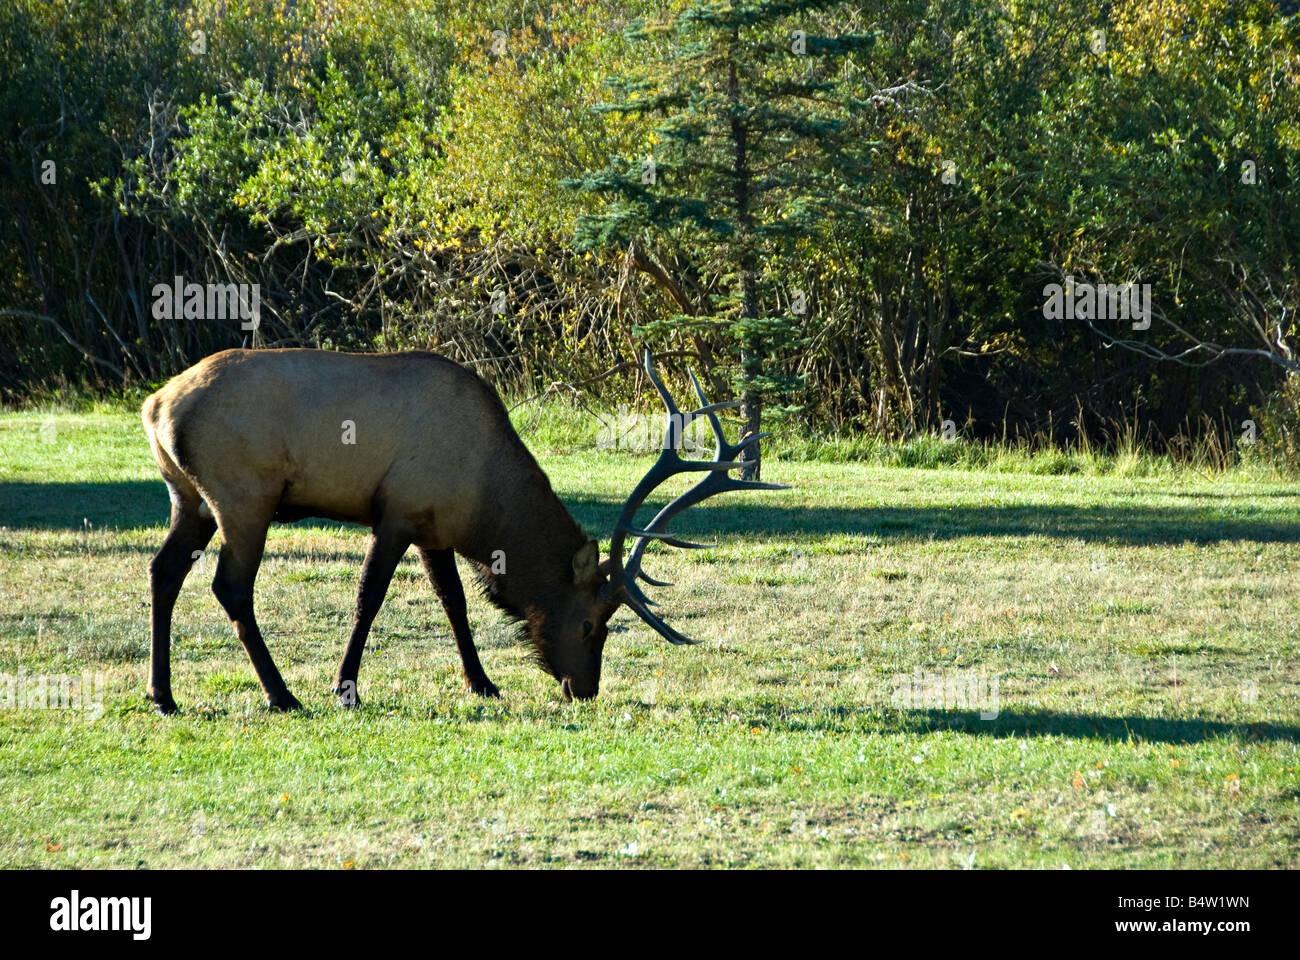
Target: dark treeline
(849,213)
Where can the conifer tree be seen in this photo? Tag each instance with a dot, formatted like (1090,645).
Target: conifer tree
(749,157)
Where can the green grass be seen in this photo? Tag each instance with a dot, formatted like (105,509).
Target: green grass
(1141,625)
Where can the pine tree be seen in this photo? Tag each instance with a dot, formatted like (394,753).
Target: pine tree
(749,157)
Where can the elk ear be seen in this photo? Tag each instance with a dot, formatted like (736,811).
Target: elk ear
(586,562)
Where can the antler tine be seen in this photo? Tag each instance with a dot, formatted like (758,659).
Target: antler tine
(669,464)
(723,450)
(623,576)
(637,594)
(711,485)
(667,538)
(665,631)
(720,441)
(674,415)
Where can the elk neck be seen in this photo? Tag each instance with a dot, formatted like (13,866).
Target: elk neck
(524,539)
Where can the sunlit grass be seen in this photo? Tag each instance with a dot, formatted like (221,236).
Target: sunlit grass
(1140,625)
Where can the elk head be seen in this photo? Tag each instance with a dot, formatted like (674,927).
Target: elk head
(602,587)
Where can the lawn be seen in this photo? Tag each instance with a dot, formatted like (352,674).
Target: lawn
(1137,634)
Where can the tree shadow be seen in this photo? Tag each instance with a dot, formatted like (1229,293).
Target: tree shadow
(118,505)
(1087,726)
(1122,524)
(1207,495)
(139,503)
(1022,724)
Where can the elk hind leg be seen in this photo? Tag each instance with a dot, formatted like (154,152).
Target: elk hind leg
(192,527)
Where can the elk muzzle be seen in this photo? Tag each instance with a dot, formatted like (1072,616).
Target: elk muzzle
(571,689)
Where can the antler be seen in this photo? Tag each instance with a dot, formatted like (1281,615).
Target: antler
(623,576)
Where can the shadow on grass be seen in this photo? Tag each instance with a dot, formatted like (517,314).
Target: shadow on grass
(1041,723)
(53,506)
(1008,725)
(1081,726)
(133,504)
(106,506)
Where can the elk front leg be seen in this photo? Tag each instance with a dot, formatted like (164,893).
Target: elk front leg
(189,534)
(440,565)
(382,557)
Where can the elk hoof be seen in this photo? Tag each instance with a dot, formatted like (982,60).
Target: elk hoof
(485,688)
(346,691)
(164,704)
(284,702)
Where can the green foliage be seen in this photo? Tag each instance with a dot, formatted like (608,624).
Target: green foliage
(391,175)
(747,157)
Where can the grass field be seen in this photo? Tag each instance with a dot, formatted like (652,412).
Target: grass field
(1141,627)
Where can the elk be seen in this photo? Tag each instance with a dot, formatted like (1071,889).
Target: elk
(248,437)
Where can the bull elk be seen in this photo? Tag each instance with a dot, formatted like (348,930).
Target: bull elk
(247,437)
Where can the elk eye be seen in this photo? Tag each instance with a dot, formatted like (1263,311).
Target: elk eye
(586,628)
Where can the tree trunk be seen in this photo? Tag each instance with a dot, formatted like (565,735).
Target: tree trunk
(751,357)
(751,412)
